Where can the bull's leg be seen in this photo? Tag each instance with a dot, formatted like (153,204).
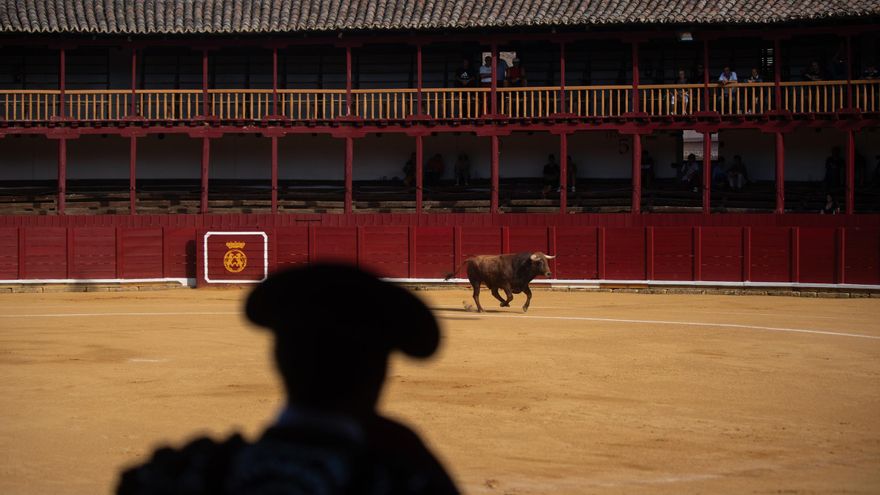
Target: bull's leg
(528,293)
(476,286)
(509,296)
(498,296)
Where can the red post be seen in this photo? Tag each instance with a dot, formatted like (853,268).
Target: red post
(780,173)
(494,86)
(777,73)
(349,157)
(637,174)
(205,108)
(706,105)
(62,71)
(636,97)
(206,155)
(493,201)
(274,140)
(420,172)
(62,174)
(419,79)
(850,172)
(849,88)
(132,176)
(275,82)
(562,99)
(707,172)
(132,109)
(347,80)
(563,172)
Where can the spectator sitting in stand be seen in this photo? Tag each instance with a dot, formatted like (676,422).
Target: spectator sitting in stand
(516,75)
(831,207)
(833,166)
(434,169)
(813,72)
(699,74)
(409,171)
(462,170)
(737,175)
(465,77)
(871,72)
(690,172)
(550,175)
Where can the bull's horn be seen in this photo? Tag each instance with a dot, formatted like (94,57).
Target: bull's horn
(549,257)
(533,257)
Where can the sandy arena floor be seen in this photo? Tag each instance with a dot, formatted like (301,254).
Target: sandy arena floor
(587,393)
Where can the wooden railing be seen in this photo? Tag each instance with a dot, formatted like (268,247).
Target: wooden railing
(308,104)
(438,103)
(814,97)
(598,101)
(671,99)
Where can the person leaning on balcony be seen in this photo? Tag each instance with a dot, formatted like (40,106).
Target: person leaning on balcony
(516,75)
(813,72)
(680,96)
(871,72)
(754,77)
(465,77)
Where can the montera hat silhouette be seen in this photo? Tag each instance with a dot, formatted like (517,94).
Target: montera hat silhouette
(343,306)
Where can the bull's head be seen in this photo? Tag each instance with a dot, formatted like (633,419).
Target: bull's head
(540,265)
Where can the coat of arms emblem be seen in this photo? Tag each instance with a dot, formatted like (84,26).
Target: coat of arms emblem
(234,260)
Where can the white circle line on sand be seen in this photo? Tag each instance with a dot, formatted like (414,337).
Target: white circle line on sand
(682,323)
(532,317)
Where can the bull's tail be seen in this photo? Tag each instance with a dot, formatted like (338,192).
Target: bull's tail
(451,274)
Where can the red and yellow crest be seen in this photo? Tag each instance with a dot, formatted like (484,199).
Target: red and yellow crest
(234,260)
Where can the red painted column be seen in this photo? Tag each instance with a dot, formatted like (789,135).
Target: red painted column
(562,96)
(205,108)
(493,201)
(850,172)
(563,172)
(274,81)
(419,79)
(62,174)
(132,110)
(780,173)
(132,176)
(347,80)
(62,82)
(706,106)
(636,97)
(349,158)
(636,174)
(777,73)
(707,172)
(849,88)
(494,87)
(274,140)
(206,156)
(420,172)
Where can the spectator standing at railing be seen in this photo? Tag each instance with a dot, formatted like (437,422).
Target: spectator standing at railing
(690,172)
(462,170)
(831,207)
(465,77)
(680,96)
(871,72)
(755,76)
(571,173)
(516,75)
(813,72)
(727,76)
(727,80)
(486,72)
(698,74)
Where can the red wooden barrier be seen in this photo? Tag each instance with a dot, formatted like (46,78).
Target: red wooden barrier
(807,249)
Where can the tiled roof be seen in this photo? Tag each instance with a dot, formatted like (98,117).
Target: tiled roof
(278,16)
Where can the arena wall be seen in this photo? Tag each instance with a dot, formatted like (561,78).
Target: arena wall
(685,248)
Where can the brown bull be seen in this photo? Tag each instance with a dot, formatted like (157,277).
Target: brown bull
(508,272)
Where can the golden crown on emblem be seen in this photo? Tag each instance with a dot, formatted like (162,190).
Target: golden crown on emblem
(235,244)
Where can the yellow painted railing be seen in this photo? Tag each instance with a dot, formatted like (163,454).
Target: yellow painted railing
(598,101)
(439,103)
